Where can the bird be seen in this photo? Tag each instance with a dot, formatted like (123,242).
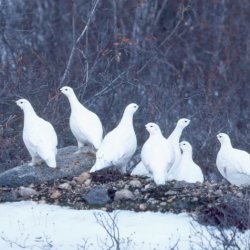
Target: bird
(39,136)
(85,125)
(188,170)
(119,145)
(156,154)
(232,163)
(174,139)
(140,170)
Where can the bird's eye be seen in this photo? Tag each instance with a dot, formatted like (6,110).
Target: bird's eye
(185,121)
(21,102)
(184,143)
(151,126)
(66,89)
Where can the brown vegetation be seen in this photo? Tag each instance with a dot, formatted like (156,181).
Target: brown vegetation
(174,58)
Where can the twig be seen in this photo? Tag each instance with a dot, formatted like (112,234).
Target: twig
(175,28)
(75,43)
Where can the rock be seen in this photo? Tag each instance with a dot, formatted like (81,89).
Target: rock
(218,192)
(65,186)
(82,177)
(152,201)
(8,196)
(55,194)
(73,183)
(87,182)
(143,206)
(137,192)
(170,200)
(148,186)
(26,192)
(124,194)
(97,196)
(239,195)
(121,184)
(69,165)
(135,183)
(171,192)
(163,203)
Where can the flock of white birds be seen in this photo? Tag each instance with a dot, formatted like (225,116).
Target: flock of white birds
(163,159)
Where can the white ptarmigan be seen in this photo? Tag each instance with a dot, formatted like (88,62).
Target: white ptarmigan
(232,163)
(174,139)
(84,124)
(188,170)
(156,154)
(119,145)
(39,136)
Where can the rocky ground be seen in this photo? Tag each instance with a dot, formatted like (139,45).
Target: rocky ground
(214,203)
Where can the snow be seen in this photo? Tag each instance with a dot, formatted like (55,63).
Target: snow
(28,225)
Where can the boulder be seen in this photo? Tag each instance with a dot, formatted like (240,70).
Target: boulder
(8,195)
(96,196)
(27,192)
(124,194)
(68,165)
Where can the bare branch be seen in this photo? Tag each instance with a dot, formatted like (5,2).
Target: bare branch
(70,60)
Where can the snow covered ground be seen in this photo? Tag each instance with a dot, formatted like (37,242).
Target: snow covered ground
(28,225)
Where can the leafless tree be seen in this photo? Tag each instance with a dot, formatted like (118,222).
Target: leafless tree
(174,58)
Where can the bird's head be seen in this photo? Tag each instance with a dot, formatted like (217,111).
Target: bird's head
(185,146)
(66,90)
(223,138)
(152,128)
(131,108)
(183,122)
(23,104)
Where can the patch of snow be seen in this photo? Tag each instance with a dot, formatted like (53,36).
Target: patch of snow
(28,225)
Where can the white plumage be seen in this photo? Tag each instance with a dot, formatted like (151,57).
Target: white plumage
(39,135)
(118,145)
(232,163)
(174,139)
(84,124)
(156,154)
(140,170)
(188,170)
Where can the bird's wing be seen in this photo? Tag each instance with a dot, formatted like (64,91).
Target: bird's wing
(46,138)
(242,161)
(86,125)
(189,171)
(233,161)
(140,170)
(156,153)
(117,145)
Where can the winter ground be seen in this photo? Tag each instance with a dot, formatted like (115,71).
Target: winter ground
(28,225)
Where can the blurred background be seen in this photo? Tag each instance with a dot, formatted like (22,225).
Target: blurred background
(174,58)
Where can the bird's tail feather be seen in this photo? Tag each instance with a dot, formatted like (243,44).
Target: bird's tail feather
(100,164)
(51,162)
